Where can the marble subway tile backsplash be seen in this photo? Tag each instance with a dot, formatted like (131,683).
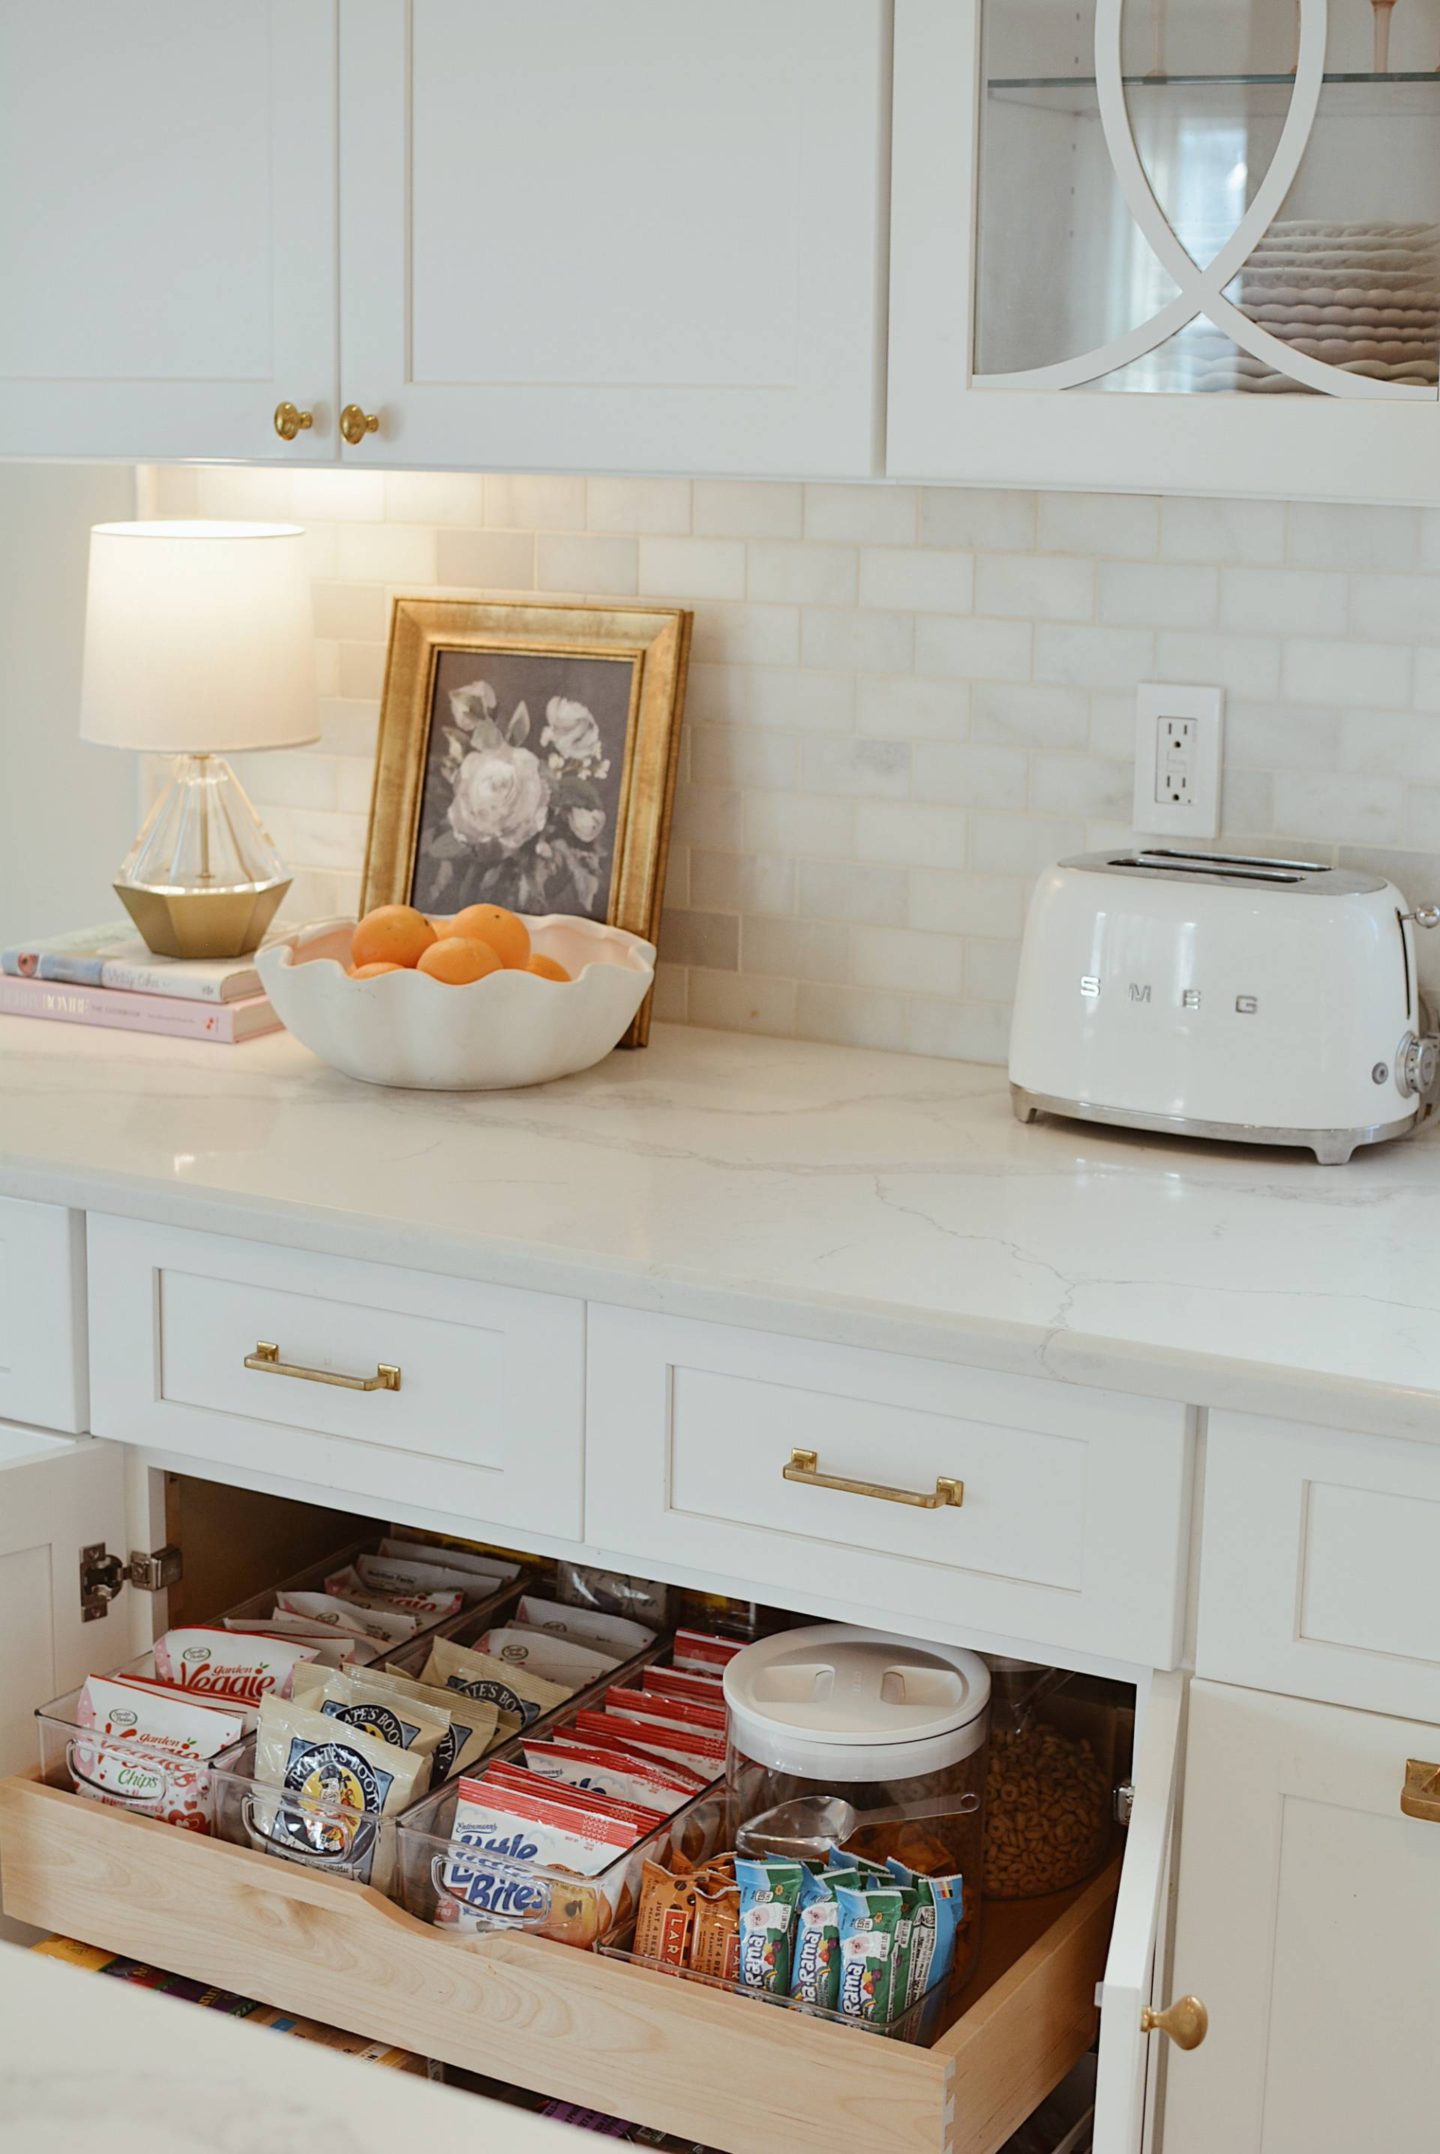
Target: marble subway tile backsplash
(903,702)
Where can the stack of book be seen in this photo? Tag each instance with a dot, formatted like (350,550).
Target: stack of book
(107,976)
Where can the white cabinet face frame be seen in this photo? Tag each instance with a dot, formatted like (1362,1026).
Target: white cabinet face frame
(1356,439)
(167,228)
(1310,1906)
(633,237)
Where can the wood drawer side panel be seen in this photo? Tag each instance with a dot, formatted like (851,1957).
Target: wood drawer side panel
(566,2023)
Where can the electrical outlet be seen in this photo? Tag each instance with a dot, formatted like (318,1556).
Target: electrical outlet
(1178,737)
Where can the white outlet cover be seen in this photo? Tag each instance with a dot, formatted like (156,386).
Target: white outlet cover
(1199,817)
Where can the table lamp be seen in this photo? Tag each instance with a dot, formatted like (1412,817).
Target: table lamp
(198,642)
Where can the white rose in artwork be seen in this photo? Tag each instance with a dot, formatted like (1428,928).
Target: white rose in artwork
(502,795)
(570,727)
(470,704)
(586,824)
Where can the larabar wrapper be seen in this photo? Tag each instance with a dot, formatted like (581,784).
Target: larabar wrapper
(769,1896)
(327,1767)
(715,1943)
(229,1665)
(147,1749)
(517,1693)
(666,1916)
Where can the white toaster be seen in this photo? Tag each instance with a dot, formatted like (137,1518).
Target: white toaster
(1265,1001)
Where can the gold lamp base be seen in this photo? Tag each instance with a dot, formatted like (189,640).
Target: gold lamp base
(202,923)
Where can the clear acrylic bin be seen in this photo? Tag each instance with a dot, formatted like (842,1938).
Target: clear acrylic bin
(441,1879)
(294,1826)
(126,1774)
(921,2021)
(470,1621)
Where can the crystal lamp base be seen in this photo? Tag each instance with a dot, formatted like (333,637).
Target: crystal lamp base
(203,878)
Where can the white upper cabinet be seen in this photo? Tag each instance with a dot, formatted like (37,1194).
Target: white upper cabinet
(167,227)
(630,236)
(1161,243)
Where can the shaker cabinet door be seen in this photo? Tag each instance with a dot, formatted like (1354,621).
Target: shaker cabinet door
(626,236)
(1166,247)
(167,227)
(1308,1912)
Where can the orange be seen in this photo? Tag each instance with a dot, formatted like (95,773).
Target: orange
(547,968)
(506,932)
(392,934)
(373,971)
(458,960)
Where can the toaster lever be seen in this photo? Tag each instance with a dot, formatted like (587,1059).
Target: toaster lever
(1423,915)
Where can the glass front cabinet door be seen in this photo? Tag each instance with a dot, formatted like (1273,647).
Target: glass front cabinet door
(1168,243)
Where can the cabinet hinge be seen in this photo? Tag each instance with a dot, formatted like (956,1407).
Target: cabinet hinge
(102,1575)
(1124,1801)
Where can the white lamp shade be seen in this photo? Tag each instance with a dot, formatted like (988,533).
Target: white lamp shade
(198,638)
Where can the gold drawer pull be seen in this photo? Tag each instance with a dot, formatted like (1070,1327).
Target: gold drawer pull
(1186,2021)
(803,1464)
(1420,1796)
(266,1359)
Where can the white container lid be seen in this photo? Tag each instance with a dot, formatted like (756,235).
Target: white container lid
(837,1702)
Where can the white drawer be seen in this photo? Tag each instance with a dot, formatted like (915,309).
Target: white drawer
(42,1300)
(1318,1565)
(486,1422)
(1072,1524)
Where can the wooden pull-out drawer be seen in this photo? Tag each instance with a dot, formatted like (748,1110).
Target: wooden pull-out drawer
(1002,1504)
(42,1315)
(480,1414)
(1319,1559)
(713,2067)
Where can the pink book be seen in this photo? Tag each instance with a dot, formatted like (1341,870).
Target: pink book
(125,1011)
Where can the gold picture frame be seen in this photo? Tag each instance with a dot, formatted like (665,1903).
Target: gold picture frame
(528,752)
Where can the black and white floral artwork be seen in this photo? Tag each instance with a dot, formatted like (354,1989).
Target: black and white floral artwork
(523,775)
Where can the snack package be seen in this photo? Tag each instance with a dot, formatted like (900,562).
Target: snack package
(815,1977)
(769,1896)
(501,1843)
(320,1760)
(335,1648)
(247,1715)
(487,1572)
(633,1780)
(870,1946)
(605,1633)
(684,1683)
(352,1697)
(502,1774)
(624,1756)
(639,1600)
(226,1665)
(391,1626)
(555,1660)
(660,1705)
(148,1750)
(524,1697)
(666,1916)
(936,1917)
(699,1748)
(473,1727)
(399,1575)
(702,1651)
(428,1607)
(715,1941)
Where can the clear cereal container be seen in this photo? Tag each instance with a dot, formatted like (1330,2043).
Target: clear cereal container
(835,1715)
(467,1891)
(1050,1807)
(126,1773)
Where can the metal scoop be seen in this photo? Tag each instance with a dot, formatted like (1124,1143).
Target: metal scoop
(809,1826)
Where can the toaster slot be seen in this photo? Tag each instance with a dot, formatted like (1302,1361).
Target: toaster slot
(1405,961)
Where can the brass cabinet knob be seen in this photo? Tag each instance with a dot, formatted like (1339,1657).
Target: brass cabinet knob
(290,421)
(1420,1796)
(1186,2022)
(355,424)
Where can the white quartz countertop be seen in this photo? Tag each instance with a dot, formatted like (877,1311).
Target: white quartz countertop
(875,1199)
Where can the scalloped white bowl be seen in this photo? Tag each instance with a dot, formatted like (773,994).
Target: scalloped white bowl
(511,1028)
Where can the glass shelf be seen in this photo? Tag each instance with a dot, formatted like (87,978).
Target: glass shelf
(1393,96)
